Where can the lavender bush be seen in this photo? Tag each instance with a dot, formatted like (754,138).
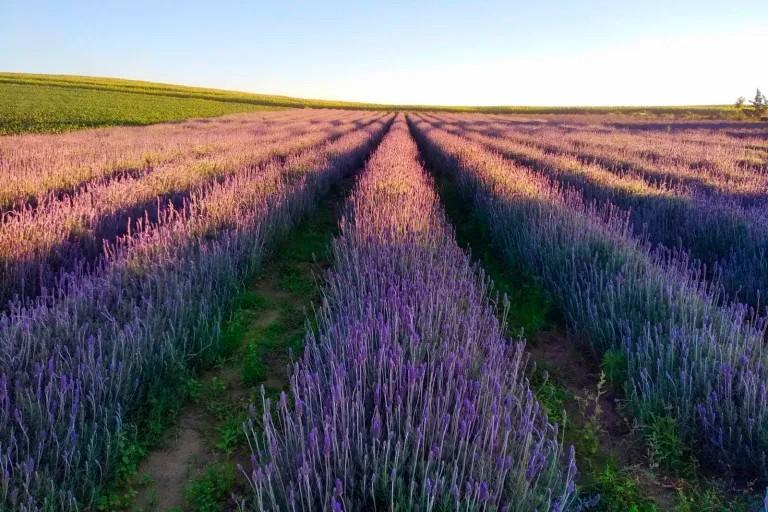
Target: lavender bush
(408,397)
(67,232)
(703,365)
(36,167)
(701,157)
(731,239)
(78,362)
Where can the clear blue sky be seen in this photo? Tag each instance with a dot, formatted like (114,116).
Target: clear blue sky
(486,52)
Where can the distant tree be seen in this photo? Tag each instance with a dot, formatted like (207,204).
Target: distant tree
(759,105)
(740,102)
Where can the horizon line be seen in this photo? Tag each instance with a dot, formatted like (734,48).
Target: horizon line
(367,103)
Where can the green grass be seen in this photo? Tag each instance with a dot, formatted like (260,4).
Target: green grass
(26,108)
(530,309)
(173,90)
(294,267)
(57,103)
(619,492)
(614,366)
(162,407)
(210,491)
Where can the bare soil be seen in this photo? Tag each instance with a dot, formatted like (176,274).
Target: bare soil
(618,440)
(287,286)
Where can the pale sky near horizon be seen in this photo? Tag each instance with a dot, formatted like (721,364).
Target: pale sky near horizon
(594,52)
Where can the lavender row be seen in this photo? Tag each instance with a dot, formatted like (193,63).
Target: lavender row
(35,166)
(730,239)
(81,362)
(712,163)
(688,359)
(69,232)
(408,397)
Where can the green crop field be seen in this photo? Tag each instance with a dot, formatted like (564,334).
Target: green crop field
(57,103)
(37,107)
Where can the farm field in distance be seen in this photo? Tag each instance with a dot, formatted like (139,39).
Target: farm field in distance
(33,103)
(213,300)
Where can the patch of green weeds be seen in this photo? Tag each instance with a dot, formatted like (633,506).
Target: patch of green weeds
(296,281)
(247,305)
(213,395)
(292,316)
(273,335)
(286,332)
(667,449)
(296,344)
(210,491)
(193,388)
(550,395)
(163,410)
(232,334)
(133,444)
(254,369)
(614,366)
(530,307)
(215,399)
(130,451)
(230,432)
(704,497)
(252,301)
(309,241)
(618,491)
(591,411)
(295,263)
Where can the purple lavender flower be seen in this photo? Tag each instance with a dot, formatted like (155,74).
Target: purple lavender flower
(412,369)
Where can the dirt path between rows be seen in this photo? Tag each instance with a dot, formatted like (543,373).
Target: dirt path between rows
(196,467)
(588,402)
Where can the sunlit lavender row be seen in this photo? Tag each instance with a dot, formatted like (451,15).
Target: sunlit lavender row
(408,397)
(31,166)
(78,365)
(710,158)
(703,365)
(731,239)
(69,232)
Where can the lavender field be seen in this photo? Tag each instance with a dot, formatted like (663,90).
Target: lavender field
(370,310)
